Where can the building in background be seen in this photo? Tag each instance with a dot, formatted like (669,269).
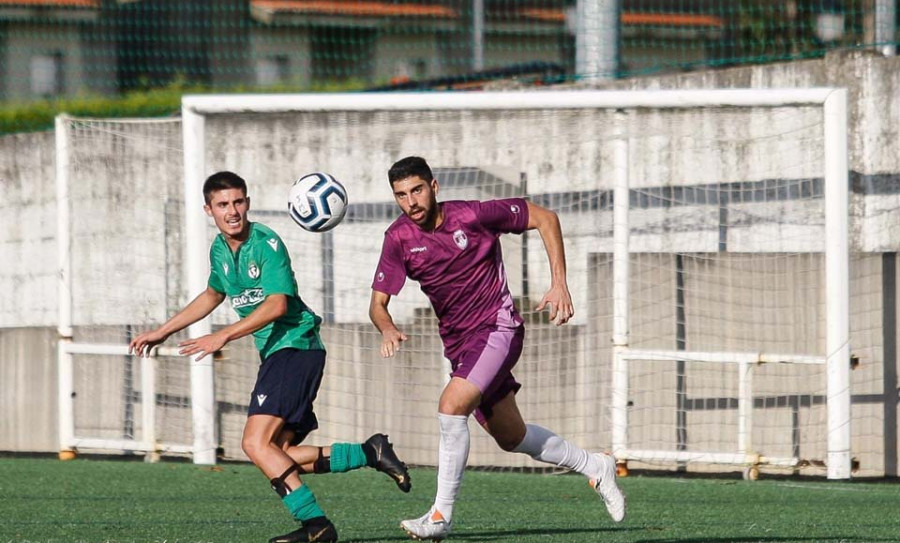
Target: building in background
(69,47)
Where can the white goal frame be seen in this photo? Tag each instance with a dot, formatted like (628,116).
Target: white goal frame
(833,102)
(69,441)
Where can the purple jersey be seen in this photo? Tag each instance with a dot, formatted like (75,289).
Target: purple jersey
(459,266)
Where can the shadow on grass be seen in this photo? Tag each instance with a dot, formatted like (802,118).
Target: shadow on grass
(504,535)
(750,540)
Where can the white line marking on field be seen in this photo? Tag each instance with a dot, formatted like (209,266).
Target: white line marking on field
(821,487)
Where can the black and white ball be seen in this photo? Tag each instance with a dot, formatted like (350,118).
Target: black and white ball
(317,202)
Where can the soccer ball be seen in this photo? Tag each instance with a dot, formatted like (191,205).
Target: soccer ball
(317,202)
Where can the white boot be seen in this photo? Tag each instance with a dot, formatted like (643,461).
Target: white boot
(604,483)
(430,526)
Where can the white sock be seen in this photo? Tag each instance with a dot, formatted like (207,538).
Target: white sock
(453,454)
(545,446)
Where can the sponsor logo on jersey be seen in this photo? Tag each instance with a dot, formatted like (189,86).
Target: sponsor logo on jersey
(273,243)
(460,238)
(251,296)
(418,249)
(253,271)
(261,398)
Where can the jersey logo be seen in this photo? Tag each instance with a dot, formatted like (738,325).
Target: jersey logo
(514,208)
(418,249)
(251,296)
(380,276)
(273,243)
(261,398)
(225,267)
(461,240)
(253,271)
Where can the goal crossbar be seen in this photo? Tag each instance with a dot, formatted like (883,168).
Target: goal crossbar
(833,102)
(195,108)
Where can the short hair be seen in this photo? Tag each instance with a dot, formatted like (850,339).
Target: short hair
(409,167)
(221,181)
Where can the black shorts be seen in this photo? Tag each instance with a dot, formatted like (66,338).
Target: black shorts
(286,387)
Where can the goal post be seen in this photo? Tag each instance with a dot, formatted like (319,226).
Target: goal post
(832,102)
(709,261)
(113,242)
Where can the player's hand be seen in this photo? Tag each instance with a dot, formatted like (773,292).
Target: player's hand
(204,345)
(560,302)
(144,343)
(390,342)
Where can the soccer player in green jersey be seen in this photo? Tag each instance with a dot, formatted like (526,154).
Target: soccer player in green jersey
(250,266)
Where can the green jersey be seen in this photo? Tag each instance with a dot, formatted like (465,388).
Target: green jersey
(262,267)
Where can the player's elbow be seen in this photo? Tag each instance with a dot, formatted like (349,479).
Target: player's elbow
(278,306)
(373,312)
(541,218)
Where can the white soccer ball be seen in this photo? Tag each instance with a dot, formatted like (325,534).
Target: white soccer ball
(317,202)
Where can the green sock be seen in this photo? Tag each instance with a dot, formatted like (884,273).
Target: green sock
(347,456)
(302,504)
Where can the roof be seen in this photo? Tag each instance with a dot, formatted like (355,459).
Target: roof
(351,8)
(267,9)
(91,4)
(633,18)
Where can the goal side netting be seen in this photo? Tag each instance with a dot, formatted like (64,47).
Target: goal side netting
(712,319)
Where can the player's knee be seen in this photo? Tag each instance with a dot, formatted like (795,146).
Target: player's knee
(252,447)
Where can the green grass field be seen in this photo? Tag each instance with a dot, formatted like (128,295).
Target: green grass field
(44,500)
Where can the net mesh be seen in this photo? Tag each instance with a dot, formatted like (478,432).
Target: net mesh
(726,234)
(66,48)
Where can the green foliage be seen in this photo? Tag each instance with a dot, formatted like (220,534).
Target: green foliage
(39,115)
(101,500)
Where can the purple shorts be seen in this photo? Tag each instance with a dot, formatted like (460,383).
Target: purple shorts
(486,361)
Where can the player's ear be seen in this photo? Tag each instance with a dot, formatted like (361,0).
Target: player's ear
(434,186)
(207,209)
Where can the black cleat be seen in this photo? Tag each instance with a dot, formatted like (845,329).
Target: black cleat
(381,456)
(318,530)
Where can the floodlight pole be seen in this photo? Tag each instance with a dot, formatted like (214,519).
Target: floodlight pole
(597,24)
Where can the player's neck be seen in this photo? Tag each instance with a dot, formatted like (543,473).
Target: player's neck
(432,226)
(234,242)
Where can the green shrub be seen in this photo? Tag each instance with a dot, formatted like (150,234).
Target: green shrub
(39,115)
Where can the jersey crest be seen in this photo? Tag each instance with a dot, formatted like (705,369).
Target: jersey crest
(253,271)
(461,240)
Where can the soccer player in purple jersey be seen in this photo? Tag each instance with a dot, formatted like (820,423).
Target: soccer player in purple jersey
(453,250)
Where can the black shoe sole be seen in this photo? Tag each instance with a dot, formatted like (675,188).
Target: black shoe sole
(386,461)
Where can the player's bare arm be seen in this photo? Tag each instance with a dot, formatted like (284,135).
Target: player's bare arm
(391,336)
(546,222)
(199,308)
(272,308)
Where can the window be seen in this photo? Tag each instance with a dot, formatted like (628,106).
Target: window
(47,74)
(272,70)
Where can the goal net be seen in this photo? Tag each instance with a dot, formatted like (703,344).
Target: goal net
(711,324)
(120,210)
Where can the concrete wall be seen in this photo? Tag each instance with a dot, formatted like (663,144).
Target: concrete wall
(132,276)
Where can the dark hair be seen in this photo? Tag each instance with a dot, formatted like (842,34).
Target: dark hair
(221,181)
(409,167)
